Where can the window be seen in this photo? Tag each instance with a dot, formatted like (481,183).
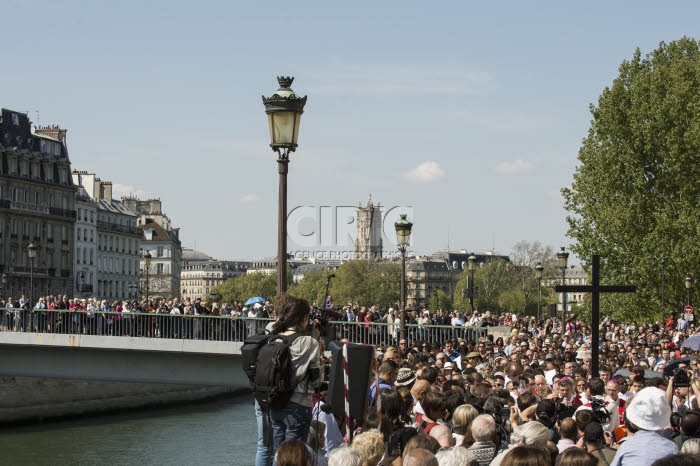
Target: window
(15,194)
(49,232)
(77,255)
(80,213)
(37,231)
(26,196)
(159,251)
(78,236)
(37,198)
(15,119)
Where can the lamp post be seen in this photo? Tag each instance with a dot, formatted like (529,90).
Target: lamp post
(403,239)
(471,265)
(562,259)
(688,286)
(284,109)
(147,263)
(538,270)
(31,252)
(4,285)
(212,296)
(132,290)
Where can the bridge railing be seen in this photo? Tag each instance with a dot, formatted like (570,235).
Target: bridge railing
(208,327)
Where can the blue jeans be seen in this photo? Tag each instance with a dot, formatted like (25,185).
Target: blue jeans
(291,422)
(263,454)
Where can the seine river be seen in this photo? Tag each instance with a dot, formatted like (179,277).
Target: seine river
(218,432)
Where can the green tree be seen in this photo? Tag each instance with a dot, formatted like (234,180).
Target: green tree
(634,194)
(246,286)
(438,299)
(312,287)
(490,279)
(367,283)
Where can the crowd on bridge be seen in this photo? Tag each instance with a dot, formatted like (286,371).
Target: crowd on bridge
(527,397)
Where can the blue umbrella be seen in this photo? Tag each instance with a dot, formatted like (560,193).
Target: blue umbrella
(673,365)
(255,300)
(693,343)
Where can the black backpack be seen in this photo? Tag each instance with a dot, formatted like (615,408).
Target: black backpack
(267,361)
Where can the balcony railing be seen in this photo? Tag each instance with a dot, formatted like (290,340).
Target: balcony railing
(62,212)
(28,207)
(102,225)
(202,327)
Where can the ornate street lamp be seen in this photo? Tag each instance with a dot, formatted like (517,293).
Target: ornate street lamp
(471,265)
(4,285)
(538,270)
(403,239)
(562,259)
(147,265)
(284,109)
(688,286)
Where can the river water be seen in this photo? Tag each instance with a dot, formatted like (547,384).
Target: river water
(218,432)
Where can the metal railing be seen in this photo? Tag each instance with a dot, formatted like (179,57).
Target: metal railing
(208,327)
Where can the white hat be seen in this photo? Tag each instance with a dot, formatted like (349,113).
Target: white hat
(584,354)
(649,409)
(448,365)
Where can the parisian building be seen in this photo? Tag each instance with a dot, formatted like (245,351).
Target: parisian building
(85,263)
(117,241)
(160,280)
(202,273)
(37,206)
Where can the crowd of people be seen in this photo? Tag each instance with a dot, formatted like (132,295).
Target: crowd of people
(527,398)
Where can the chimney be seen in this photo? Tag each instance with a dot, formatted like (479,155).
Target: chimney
(106,191)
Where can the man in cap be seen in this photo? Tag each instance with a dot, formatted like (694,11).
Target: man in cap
(646,415)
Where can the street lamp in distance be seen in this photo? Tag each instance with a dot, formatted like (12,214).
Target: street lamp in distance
(471,266)
(562,260)
(539,269)
(31,252)
(284,109)
(147,265)
(403,240)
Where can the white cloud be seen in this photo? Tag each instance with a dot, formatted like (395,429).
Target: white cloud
(514,166)
(426,172)
(249,198)
(122,190)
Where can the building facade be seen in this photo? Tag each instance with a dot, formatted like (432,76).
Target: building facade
(117,240)
(37,199)
(85,256)
(201,274)
(160,280)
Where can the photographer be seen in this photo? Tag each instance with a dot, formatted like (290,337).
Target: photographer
(605,412)
(678,390)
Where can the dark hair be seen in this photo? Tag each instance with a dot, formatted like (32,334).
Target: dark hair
(430,374)
(683,459)
(293,315)
(432,402)
(527,455)
(576,457)
(546,412)
(526,400)
(392,404)
(596,386)
(453,399)
(293,453)
(690,424)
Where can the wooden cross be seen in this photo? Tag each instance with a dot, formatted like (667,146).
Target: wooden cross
(595,288)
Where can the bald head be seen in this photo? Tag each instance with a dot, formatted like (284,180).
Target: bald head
(420,457)
(420,388)
(443,435)
(568,429)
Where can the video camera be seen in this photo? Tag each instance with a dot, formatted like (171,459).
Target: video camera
(680,378)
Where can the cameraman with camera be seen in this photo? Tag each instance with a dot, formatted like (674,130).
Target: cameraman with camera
(605,412)
(678,390)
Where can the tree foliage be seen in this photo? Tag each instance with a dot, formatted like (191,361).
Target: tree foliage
(312,287)
(246,286)
(511,286)
(366,283)
(634,195)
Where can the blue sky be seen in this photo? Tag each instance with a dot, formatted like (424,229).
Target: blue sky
(471,113)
